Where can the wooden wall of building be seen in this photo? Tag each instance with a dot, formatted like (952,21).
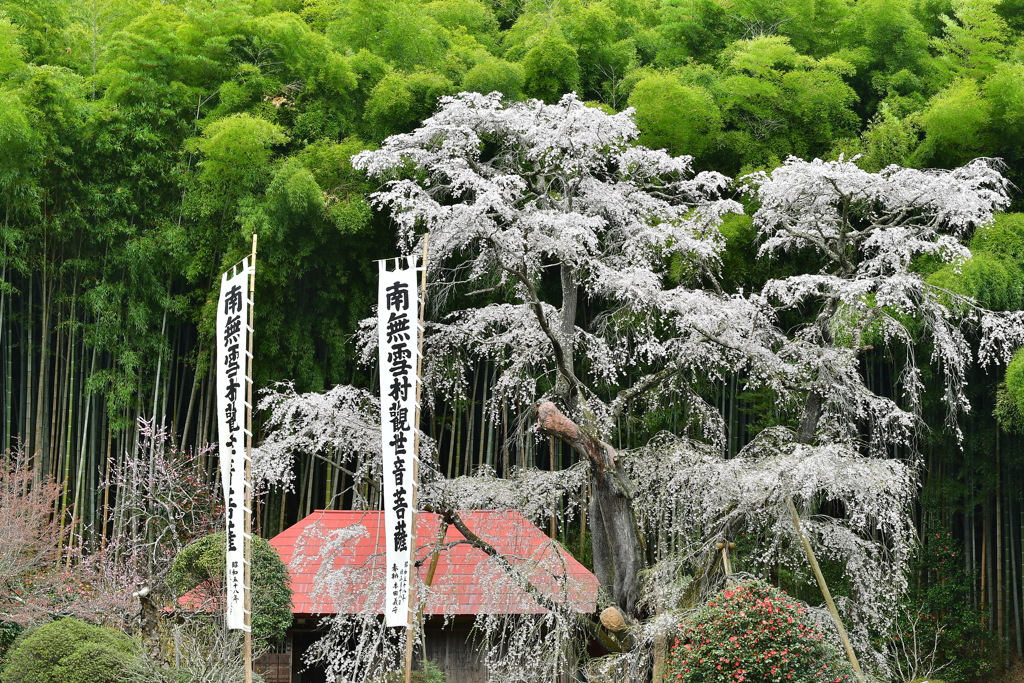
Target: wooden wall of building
(451,647)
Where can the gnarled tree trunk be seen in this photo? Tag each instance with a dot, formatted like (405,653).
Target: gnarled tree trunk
(618,547)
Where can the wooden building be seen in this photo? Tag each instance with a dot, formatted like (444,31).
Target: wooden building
(465,582)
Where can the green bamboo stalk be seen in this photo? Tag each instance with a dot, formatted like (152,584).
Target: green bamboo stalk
(458,449)
(1000,603)
(5,350)
(80,489)
(480,453)
(329,486)
(304,492)
(105,522)
(191,402)
(58,377)
(470,425)
(491,426)
(61,460)
(94,460)
(1018,554)
(28,362)
(40,444)
(504,436)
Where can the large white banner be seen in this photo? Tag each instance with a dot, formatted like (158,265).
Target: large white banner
(398,328)
(232,382)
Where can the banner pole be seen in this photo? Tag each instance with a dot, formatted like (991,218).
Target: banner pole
(247,538)
(410,630)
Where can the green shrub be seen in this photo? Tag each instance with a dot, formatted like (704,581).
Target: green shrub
(201,563)
(70,651)
(938,610)
(9,631)
(753,632)
(430,673)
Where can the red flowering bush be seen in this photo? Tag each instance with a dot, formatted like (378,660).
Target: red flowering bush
(755,633)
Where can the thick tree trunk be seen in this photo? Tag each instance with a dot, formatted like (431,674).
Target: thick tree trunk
(562,335)
(809,422)
(618,548)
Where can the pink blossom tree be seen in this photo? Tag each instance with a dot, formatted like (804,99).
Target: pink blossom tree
(28,533)
(162,501)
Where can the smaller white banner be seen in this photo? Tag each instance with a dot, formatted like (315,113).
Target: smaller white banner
(232,383)
(398,331)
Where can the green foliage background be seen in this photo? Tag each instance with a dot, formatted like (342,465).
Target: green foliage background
(142,143)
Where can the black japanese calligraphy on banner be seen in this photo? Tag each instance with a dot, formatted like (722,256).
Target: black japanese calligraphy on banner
(232,380)
(398,333)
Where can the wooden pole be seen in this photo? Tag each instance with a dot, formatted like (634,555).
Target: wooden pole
(825,592)
(442,531)
(410,631)
(247,538)
(726,565)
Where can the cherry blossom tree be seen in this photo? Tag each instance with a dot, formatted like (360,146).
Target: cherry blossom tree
(532,208)
(509,192)
(331,426)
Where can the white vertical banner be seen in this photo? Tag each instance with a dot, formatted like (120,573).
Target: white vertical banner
(232,381)
(398,332)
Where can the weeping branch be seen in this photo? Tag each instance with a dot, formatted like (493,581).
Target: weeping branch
(540,597)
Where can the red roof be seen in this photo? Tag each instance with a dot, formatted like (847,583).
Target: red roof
(466,580)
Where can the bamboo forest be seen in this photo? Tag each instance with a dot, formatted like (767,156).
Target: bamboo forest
(716,291)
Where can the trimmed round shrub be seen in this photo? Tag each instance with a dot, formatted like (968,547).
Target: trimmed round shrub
(70,651)
(200,565)
(753,632)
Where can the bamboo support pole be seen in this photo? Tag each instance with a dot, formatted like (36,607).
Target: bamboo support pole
(725,547)
(435,554)
(410,631)
(247,536)
(442,531)
(825,592)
